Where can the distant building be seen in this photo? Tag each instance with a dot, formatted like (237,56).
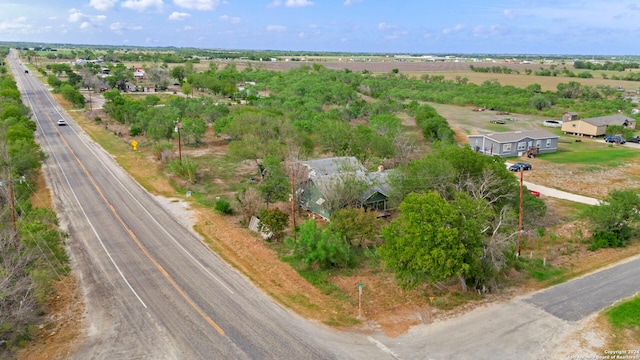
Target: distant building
(138,73)
(596,126)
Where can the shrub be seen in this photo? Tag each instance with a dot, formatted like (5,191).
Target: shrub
(274,221)
(223,206)
(321,247)
(185,169)
(136,130)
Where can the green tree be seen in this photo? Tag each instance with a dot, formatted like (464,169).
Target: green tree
(187,88)
(424,242)
(321,247)
(275,184)
(357,225)
(616,219)
(193,129)
(179,73)
(540,102)
(619,130)
(274,221)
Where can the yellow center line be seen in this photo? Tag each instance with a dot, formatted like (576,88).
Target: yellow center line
(139,244)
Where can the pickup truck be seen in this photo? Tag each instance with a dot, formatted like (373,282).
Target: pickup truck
(617,139)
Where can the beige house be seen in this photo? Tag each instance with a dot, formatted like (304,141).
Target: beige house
(596,126)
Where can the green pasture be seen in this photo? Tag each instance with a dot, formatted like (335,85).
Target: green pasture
(592,153)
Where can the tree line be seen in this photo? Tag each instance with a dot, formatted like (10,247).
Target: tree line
(32,256)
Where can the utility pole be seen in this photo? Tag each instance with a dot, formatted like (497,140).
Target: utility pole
(520,214)
(293,202)
(177,129)
(12,203)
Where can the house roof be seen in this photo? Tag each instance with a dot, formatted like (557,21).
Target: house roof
(515,136)
(326,172)
(380,183)
(333,166)
(616,119)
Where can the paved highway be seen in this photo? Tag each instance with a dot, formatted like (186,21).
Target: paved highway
(154,291)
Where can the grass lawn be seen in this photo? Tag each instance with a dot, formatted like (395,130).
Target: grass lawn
(590,153)
(624,319)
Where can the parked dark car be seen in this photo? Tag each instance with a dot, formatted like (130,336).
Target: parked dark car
(635,139)
(520,166)
(615,139)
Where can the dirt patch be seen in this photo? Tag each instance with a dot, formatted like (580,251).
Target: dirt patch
(60,328)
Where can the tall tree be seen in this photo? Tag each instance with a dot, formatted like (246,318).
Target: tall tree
(616,219)
(424,242)
(275,182)
(179,73)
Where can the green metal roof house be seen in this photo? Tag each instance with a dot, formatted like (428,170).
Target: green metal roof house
(323,176)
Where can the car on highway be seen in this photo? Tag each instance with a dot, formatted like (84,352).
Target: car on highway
(62,122)
(520,166)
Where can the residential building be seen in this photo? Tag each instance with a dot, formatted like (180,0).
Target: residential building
(324,177)
(596,126)
(514,143)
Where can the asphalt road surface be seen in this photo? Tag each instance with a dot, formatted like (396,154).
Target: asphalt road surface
(154,291)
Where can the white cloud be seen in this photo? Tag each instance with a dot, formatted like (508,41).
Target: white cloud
(395,35)
(15,26)
(385,26)
(231,19)
(298,3)
(86,21)
(351,2)
(142,5)
(178,16)
(119,27)
(509,14)
(291,3)
(198,4)
(488,31)
(276,28)
(302,35)
(454,29)
(103,5)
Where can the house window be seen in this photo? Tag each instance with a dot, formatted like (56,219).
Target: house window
(538,142)
(548,142)
(522,145)
(506,148)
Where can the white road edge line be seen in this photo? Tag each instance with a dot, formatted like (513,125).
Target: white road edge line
(382,347)
(153,218)
(87,218)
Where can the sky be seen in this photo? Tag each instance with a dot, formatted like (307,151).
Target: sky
(555,27)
